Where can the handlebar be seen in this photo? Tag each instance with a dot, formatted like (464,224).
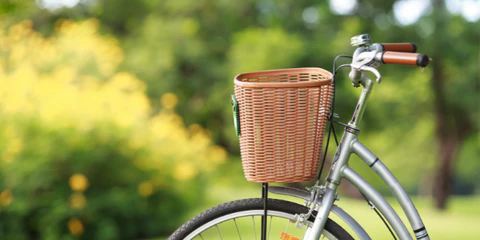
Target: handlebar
(399,47)
(367,57)
(415,59)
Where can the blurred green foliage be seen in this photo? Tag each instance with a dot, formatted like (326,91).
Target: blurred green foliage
(82,152)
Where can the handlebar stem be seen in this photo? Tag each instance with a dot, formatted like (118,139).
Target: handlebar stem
(362,101)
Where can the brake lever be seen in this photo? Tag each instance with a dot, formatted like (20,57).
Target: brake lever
(372,70)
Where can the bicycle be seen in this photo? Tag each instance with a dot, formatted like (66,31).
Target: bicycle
(311,220)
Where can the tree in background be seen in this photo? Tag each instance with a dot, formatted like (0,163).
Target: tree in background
(194,48)
(455,86)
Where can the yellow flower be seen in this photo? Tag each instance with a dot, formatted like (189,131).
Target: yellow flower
(218,154)
(77,201)
(169,100)
(145,189)
(78,182)
(184,171)
(75,226)
(6,197)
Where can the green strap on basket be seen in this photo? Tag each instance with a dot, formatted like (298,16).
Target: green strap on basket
(236,115)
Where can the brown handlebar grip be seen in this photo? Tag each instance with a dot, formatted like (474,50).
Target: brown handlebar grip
(400,47)
(415,59)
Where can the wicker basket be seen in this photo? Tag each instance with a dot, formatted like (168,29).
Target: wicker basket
(282,115)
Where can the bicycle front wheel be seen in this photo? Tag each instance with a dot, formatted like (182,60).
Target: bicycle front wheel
(241,219)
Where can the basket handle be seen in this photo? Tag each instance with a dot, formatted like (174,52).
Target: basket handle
(236,115)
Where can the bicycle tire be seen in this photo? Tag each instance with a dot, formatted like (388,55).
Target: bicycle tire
(210,218)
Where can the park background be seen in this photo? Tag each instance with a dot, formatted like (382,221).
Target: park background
(115,116)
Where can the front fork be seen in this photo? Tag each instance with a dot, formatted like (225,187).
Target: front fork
(322,215)
(333,181)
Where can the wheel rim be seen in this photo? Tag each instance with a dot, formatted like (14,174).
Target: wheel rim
(215,226)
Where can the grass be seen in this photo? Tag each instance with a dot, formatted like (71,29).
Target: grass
(460,221)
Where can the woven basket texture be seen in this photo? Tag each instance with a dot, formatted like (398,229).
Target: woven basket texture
(283,114)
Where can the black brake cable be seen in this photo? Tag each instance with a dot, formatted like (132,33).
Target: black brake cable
(379,215)
(331,128)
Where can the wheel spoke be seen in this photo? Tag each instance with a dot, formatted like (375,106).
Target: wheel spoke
(245,217)
(254,230)
(286,230)
(270,227)
(236,226)
(218,230)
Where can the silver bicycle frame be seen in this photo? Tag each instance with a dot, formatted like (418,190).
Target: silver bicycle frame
(350,145)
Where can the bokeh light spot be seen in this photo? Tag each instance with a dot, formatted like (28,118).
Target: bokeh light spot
(6,197)
(169,100)
(75,226)
(145,189)
(78,182)
(409,11)
(343,7)
(77,201)
(310,15)
(184,171)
